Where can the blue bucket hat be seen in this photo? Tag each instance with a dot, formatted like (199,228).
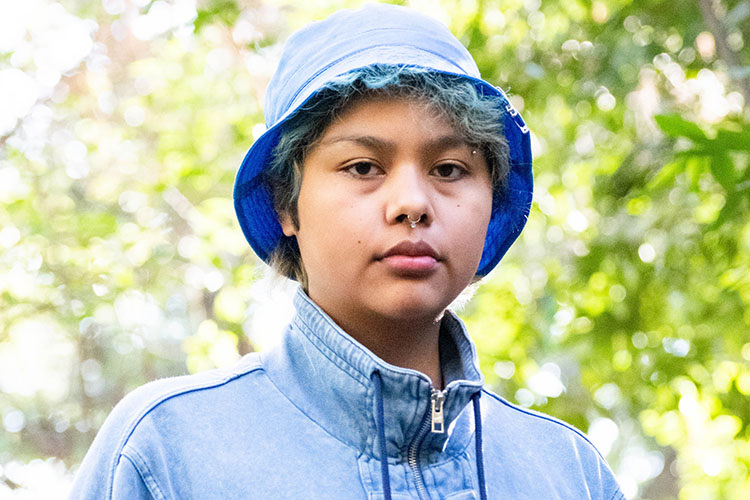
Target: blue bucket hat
(354,39)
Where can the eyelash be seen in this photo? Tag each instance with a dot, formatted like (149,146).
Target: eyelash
(351,169)
(460,170)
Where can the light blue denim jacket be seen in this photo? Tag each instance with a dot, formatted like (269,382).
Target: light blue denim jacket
(301,422)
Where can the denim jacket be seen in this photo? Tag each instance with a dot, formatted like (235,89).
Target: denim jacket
(307,421)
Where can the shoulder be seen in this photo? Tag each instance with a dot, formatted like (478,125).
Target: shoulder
(559,456)
(132,418)
(525,421)
(175,391)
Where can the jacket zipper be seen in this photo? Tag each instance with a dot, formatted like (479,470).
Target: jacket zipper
(433,421)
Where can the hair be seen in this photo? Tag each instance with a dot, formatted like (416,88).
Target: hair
(474,115)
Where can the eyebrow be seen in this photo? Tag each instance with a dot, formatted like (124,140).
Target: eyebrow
(439,143)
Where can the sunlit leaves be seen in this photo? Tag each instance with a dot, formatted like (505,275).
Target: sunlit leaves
(651,290)
(676,126)
(210,348)
(624,308)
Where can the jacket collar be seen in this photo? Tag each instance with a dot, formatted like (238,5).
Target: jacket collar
(325,373)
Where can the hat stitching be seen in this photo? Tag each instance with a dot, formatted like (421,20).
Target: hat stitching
(352,54)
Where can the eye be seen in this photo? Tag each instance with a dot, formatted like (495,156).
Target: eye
(364,169)
(449,171)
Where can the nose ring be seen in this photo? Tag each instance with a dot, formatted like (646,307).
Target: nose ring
(412,221)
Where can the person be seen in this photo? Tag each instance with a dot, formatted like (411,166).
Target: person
(390,177)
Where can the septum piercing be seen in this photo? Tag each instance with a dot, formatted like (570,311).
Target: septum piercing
(412,221)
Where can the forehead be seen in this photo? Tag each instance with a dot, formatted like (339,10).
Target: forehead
(391,119)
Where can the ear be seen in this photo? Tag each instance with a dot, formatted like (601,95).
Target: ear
(287,224)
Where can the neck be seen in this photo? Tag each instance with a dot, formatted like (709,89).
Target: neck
(411,343)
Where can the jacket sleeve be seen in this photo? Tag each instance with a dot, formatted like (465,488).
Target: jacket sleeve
(107,472)
(128,484)
(95,481)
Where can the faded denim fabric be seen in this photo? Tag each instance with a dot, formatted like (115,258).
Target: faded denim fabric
(299,423)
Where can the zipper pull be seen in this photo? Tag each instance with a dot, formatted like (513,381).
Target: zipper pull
(437,399)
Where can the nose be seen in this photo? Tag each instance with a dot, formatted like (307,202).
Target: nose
(408,196)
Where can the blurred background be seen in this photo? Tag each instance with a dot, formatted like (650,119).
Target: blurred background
(624,308)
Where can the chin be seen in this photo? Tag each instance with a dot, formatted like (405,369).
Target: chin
(404,308)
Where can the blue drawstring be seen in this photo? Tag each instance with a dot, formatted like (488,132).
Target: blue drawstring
(478,443)
(377,383)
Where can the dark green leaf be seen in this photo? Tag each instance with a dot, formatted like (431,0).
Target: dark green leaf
(728,211)
(675,125)
(731,140)
(722,169)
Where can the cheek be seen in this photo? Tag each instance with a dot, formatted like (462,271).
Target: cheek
(473,226)
(477,235)
(329,231)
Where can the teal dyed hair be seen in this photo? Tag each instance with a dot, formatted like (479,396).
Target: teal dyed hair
(473,115)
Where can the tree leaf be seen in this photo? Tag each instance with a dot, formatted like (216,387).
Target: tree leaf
(695,166)
(667,174)
(675,125)
(730,208)
(722,169)
(732,140)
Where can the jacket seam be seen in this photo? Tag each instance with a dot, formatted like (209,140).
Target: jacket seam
(357,451)
(617,494)
(159,400)
(548,418)
(331,355)
(344,365)
(139,464)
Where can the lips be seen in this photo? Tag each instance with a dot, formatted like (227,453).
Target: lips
(412,249)
(411,259)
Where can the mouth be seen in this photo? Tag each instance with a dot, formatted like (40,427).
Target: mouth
(411,258)
(412,249)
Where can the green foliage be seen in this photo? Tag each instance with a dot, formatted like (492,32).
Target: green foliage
(624,308)
(226,11)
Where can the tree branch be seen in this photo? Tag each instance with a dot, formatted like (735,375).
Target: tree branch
(719,32)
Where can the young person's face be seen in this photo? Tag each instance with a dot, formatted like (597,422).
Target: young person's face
(383,160)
